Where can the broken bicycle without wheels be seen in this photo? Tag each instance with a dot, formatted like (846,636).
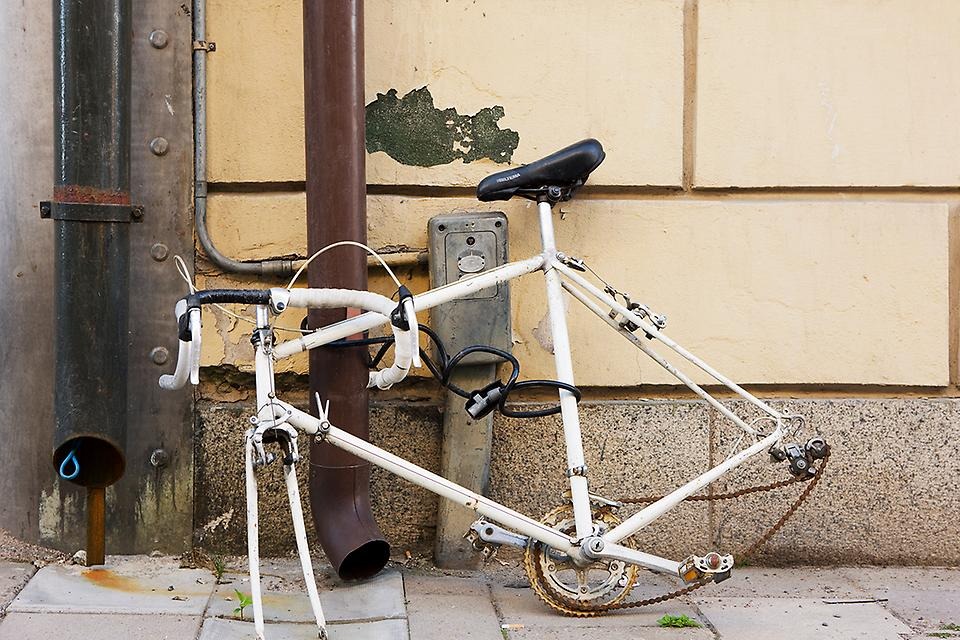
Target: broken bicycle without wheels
(580,557)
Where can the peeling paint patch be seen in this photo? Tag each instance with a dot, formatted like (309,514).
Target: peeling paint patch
(412,131)
(543,332)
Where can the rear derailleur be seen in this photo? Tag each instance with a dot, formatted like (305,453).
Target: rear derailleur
(801,457)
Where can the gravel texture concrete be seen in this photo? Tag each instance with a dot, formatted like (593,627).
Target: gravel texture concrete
(890,495)
(406,513)
(899,448)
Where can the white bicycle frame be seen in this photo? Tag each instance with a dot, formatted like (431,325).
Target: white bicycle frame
(586,544)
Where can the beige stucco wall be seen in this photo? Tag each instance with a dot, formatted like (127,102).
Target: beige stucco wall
(850,93)
(471,55)
(787,292)
(833,287)
(781,177)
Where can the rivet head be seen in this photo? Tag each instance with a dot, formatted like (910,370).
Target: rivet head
(159,458)
(159,146)
(159,355)
(159,38)
(159,252)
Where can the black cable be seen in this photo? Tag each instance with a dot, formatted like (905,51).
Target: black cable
(536,413)
(443,371)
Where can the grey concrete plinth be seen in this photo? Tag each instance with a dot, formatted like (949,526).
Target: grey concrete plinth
(82,626)
(134,585)
(406,513)
(220,629)
(800,619)
(636,448)
(380,597)
(13,576)
(890,494)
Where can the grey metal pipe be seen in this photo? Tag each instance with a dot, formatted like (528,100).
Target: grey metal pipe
(92,214)
(264,268)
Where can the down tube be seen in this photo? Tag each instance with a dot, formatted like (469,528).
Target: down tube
(428,480)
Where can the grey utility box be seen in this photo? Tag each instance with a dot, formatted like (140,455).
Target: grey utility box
(461,245)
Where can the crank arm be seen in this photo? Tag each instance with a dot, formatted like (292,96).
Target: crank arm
(595,548)
(494,534)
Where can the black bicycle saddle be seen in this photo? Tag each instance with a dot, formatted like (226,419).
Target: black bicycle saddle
(554,177)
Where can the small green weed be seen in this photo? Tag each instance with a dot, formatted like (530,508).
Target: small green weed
(951,627)
(244,601)
(941,634)
(677,621)
(219,567)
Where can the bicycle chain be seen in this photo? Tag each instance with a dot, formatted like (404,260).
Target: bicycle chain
(573,608)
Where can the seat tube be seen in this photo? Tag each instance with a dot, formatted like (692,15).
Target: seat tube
(576,468)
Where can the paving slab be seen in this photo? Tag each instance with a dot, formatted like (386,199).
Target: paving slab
(440,608)
(521,606)
(380,597)
(13,576)
(797,582)
(424,585)
(285,574)
(44,626)
(220,629)
(131,585)
(926,598)
(600,631)
(800,619)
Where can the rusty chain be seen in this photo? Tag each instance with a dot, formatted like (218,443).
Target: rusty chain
(574,608)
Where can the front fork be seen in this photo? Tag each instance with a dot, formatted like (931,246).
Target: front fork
(270,424)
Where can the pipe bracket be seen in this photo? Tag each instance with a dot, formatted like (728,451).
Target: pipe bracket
(91,212)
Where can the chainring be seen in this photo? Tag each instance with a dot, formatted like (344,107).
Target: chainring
(562,585)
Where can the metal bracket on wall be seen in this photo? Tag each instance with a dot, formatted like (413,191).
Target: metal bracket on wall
(89,212)
(461,245)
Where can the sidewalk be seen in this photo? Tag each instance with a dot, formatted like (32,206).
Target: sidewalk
(152,598)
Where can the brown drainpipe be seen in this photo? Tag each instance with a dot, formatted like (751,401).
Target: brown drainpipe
(336,210)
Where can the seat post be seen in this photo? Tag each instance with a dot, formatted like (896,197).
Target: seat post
(547,239)
(576,467)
